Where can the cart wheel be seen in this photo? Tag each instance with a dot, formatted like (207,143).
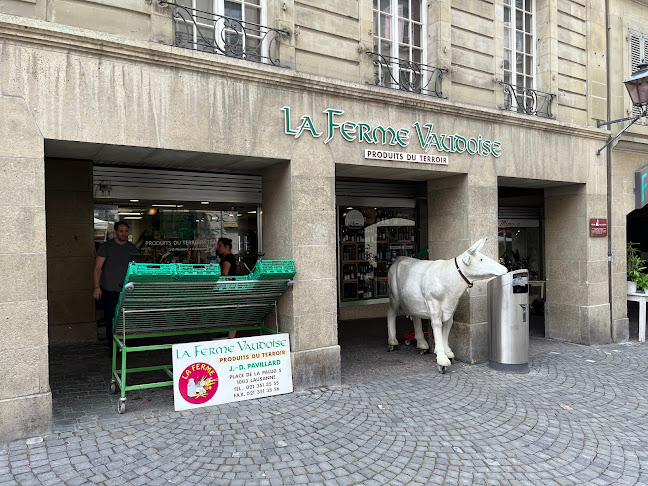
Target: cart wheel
(408,342)
(441,369)
(112,388)
(121,406)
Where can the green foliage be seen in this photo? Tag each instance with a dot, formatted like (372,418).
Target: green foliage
(642,282)
(636,265)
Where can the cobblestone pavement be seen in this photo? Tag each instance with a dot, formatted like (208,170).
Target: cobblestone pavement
(580,416)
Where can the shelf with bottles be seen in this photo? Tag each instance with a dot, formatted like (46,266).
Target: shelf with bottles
(367,251)
(353,252)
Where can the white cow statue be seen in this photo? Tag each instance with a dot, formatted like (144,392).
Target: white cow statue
(431,290)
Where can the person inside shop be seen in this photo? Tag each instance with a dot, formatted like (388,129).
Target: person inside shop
(110,269)
(227,264)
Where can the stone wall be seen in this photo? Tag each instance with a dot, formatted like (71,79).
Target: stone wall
(333,39)
(70,250)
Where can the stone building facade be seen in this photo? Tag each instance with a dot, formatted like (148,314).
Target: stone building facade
(94,82)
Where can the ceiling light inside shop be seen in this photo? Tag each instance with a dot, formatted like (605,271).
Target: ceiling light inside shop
(133,217)
(251,212)
(152,212)
(130,214)
(204,202)
(350,207)
(163,205)
(134,200)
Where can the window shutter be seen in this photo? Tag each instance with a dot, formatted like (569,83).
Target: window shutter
(638,49)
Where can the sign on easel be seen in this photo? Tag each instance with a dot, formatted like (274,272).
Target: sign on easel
(230,370)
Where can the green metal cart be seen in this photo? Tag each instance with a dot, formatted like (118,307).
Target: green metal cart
(169,300)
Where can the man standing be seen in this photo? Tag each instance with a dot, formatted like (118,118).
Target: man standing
(110,270)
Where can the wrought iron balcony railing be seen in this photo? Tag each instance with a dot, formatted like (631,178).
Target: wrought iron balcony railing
(210,32)
(527,100)
(405,75)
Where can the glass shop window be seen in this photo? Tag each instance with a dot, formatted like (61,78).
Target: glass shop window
(370,241)
(182,233)
(520,247)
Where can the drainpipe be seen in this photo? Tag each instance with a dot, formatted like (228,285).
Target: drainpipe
(608,160)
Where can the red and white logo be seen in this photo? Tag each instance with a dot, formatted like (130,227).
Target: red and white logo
(198,383)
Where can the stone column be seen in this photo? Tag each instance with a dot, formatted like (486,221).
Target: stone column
(299,223)
(462,209)
(70,251)
(25,396)
(577,308)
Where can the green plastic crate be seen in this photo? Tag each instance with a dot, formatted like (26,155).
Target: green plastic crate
(151,272)
(197,272)
(273,269)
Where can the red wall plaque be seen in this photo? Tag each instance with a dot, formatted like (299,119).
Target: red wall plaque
(598,227)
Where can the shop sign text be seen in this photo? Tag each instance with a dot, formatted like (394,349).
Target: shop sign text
(405,157)
(230,370)
(424,135)
(641,184)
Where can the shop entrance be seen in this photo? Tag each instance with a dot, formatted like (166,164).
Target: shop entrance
(177,205)
(637,233)
(521,244)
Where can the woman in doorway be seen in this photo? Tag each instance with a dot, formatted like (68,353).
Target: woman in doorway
(227,264)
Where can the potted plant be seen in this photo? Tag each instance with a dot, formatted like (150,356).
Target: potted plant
(642,283)
(635,266)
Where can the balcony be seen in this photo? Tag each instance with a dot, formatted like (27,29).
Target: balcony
(209,32)
(405,75)
(526,100)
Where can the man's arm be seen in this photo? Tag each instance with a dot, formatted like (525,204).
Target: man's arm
(97,277)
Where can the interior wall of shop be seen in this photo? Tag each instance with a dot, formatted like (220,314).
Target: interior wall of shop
(102,92)
(70,251)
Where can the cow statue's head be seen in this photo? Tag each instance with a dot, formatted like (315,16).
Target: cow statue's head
(478,266)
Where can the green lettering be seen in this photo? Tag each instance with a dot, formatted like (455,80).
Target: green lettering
(402,137)
(383,138)
(330,112)
(364,133)
(307,124)
(287,128)
(496,148)
(348,126)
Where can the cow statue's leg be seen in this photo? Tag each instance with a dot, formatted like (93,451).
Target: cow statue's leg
(421,343)
(447,325)
(439,350)
(392,312)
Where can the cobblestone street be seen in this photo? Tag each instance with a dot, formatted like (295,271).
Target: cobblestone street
(580,416)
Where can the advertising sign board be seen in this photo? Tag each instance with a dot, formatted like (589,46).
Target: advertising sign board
(230,370)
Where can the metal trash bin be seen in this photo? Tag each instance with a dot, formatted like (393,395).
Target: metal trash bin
(508,317)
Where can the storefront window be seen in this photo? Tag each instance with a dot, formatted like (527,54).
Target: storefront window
(370,241)
(519,247)
(182,233)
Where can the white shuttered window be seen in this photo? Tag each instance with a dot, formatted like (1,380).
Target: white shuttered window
(638,53)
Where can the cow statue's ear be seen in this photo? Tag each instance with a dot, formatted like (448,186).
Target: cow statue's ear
(477,246)
(466,259)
